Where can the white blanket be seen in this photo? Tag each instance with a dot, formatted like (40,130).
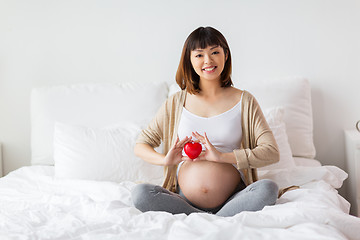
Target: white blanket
(33,205)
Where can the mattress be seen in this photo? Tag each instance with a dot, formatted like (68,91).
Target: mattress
(35,205)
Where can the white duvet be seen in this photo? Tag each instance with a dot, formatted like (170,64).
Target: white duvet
(33,205)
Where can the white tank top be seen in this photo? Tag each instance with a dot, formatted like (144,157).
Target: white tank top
(223,130)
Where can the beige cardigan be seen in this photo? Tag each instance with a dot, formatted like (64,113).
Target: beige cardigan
(258,147)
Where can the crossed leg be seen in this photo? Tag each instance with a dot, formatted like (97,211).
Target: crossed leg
(149,197)
(253,198)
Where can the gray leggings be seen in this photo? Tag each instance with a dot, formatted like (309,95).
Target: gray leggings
(149,197)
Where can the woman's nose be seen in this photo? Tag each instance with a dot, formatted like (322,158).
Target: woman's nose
(208,59)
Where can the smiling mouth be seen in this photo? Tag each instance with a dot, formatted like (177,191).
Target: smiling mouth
(209,69)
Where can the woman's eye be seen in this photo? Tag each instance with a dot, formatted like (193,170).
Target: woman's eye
(199,55)
(216,52)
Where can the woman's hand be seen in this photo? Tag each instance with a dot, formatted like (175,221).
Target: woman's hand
(210,154)
(174,156)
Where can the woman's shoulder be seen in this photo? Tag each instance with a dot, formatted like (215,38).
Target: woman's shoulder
(237,91)
(175,100)
(234,93)
(177,96)
(245,94)
(248,99)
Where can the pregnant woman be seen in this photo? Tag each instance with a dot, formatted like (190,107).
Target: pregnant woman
(229,125)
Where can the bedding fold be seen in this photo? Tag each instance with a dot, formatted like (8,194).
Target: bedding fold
(34,205)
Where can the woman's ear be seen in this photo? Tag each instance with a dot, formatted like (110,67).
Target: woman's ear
(226,55)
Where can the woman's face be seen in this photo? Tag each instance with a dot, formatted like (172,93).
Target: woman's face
(209,62)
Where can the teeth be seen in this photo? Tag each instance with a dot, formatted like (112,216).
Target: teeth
(209,69)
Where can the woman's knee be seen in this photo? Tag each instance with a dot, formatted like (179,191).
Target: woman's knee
(141,194)
(269,189)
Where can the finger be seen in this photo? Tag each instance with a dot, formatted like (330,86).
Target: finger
(185,158)
(189,139)
(176,141)
(199,158)
(182,141)
(198,136)
(206,138)
(196,139)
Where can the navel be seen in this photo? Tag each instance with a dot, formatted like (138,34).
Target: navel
(204,189)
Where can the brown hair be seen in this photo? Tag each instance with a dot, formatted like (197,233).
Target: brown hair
(202,37)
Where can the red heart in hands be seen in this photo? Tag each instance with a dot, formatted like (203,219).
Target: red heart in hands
(193,149)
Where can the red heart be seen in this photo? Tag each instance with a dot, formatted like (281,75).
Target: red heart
(193,149)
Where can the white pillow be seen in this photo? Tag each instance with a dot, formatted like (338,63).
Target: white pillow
(102,154)
(274,117)
(93,105)
(294,95)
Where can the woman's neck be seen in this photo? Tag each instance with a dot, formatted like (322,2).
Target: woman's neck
(210,89)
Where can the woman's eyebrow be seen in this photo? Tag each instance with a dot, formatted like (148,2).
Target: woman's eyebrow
(201,50)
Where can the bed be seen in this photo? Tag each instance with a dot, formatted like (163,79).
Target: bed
(83,169)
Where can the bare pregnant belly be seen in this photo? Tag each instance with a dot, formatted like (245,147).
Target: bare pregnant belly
(208,184)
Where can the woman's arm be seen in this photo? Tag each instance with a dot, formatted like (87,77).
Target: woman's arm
(148,154)
(259,145)
(173,157)
(228,158)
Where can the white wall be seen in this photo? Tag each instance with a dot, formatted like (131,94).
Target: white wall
(48,42)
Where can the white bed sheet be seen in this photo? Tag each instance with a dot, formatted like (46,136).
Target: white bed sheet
(35,206)
(306,162)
